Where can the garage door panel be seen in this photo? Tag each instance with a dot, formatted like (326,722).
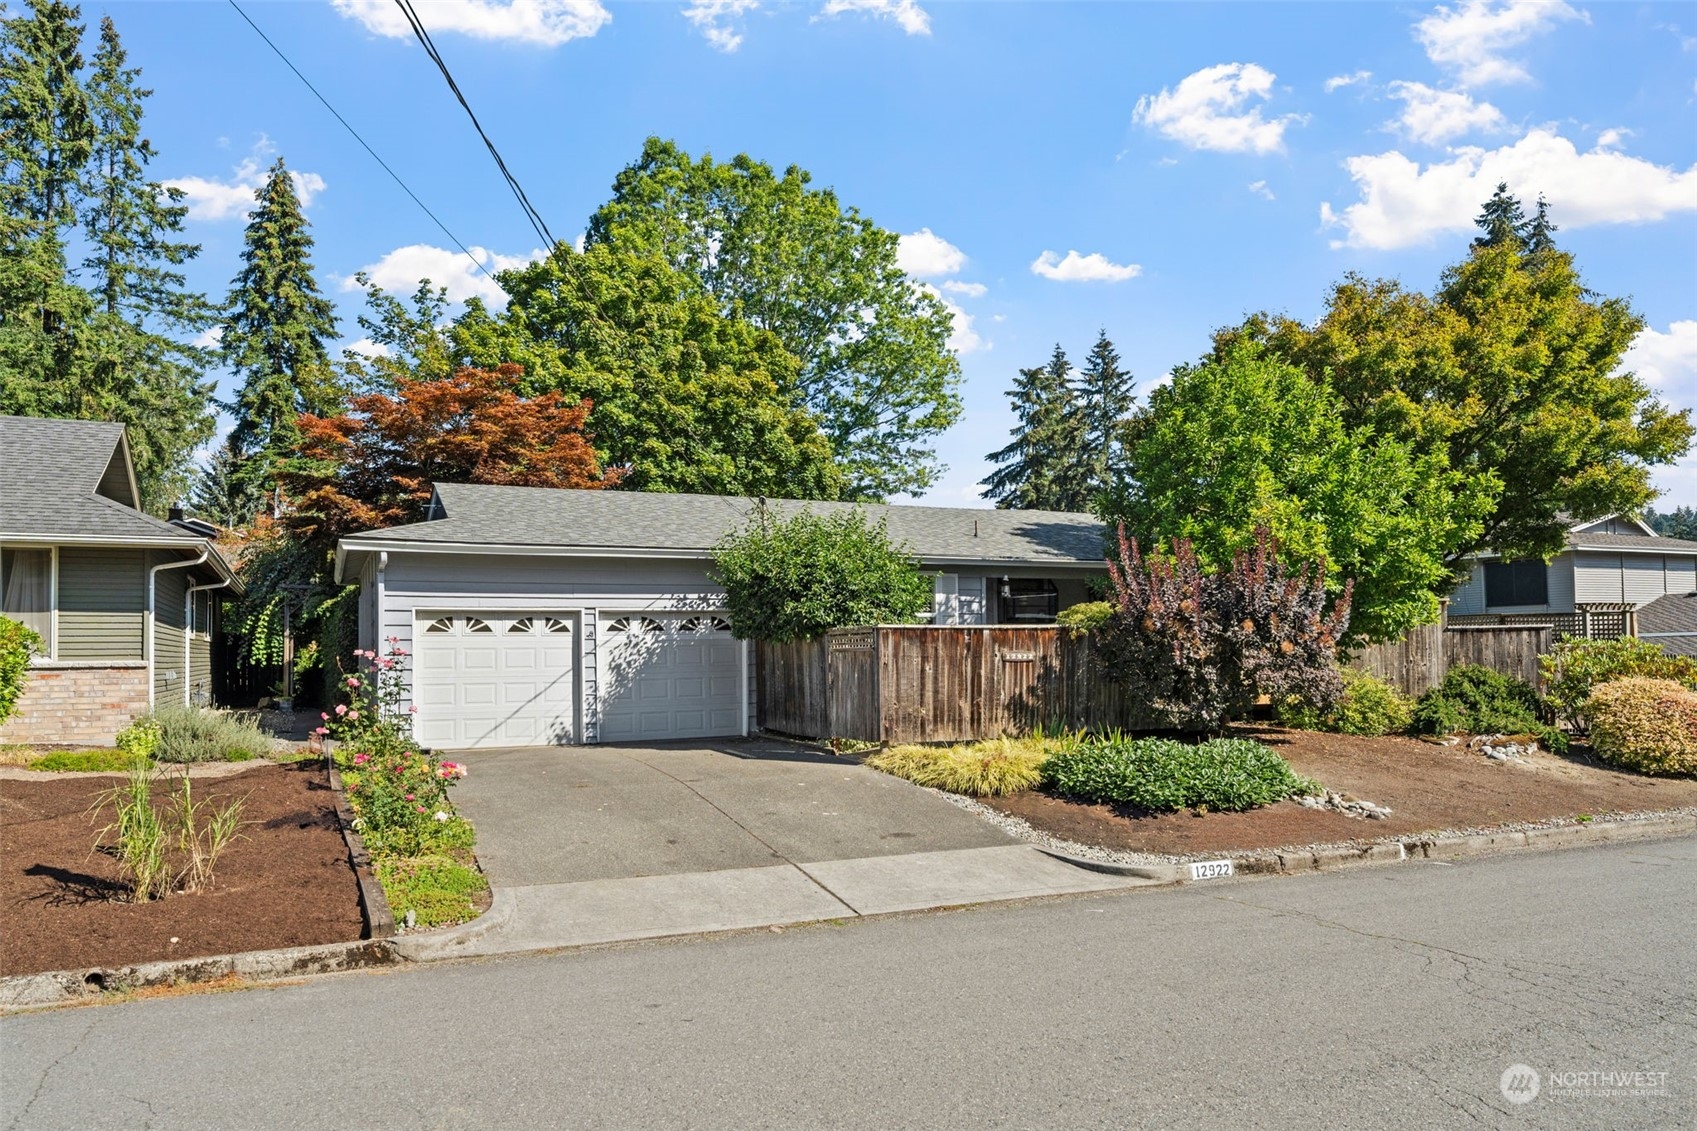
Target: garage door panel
(495,680)
(670,675)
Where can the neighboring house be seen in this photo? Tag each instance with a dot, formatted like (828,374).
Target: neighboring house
(126,605)
(1670,621)
(1608,561)
(545,617)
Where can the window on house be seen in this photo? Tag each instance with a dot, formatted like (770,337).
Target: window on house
(26,591)
(1516,583)
(1028,600)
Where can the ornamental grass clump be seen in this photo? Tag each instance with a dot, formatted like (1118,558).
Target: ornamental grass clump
(191,734)
(1162,775)
(981,769)
(1649,725)
(174,850)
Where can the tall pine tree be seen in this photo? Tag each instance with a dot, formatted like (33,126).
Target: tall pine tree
(1105,400)
(1039,470)
(1502,220)
(275,333)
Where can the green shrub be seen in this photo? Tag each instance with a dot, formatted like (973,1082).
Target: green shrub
(982,769)
(1160,775)
(1088,617)
(1370,707)
(140,739)
(85,762)
(1576,666)
(437,889)
(400,801)
(189,734)
(796,578)
(1477,700)
(1648,725)
(17,645)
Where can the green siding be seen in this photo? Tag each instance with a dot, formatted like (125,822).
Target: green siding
(168,674)
(102,604)
(200,669)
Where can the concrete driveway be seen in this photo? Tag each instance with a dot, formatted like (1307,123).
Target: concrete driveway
(605,843)
(555,815)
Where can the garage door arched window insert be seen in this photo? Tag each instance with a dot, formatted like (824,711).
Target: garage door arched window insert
(645,626)
(441,625)
(715,625)
(544,626)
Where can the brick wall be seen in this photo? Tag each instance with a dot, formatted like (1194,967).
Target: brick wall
(82,704)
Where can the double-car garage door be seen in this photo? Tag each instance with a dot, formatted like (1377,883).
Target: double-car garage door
(489,680)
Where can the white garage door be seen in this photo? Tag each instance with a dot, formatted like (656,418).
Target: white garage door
(670,676)
(495,680)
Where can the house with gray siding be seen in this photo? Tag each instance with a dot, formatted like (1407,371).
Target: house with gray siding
(546,617)
(1615,560)
(126,605)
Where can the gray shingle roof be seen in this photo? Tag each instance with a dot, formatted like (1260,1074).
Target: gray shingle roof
(1585,539)
(49,470)
(1677,612)
(585,520)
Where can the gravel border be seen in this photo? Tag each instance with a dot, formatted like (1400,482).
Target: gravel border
(1023,830)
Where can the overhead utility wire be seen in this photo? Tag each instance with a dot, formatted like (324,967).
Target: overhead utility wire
(530,211)
(397,177)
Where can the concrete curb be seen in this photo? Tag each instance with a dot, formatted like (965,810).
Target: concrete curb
(55,987)
(373,903)
(1165,873)
(450,942)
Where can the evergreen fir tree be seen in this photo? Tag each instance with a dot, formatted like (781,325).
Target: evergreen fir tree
(141,370)
(1540,231)
(275,333)
(1104,400)
(1502,220)
(1040,468)
(220,495)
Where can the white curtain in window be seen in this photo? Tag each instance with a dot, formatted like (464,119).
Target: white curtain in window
(26,590)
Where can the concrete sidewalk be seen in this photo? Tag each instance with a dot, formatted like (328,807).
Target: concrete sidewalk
(588,912)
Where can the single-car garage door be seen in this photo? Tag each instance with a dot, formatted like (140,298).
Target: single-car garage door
(673,675)
(495,680)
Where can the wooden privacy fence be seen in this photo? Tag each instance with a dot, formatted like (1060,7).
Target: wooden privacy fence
(922,683)
(1418,662)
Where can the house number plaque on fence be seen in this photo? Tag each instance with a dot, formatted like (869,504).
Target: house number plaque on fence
(1018,657)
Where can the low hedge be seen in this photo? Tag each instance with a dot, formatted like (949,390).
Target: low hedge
(1575,667)
(1649,725)
(1160,775)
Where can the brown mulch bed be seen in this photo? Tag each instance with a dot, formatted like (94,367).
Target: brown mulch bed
(1426,786)
(288,883)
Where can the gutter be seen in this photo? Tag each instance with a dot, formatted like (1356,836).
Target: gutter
(152,616)
(531,549)
(188,632)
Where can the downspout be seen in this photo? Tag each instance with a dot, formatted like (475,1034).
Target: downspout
(152,617)
(188,634)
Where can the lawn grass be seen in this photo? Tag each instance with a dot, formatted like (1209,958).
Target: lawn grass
(99,761)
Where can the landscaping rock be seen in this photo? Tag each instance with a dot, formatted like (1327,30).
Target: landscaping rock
(1504,747)
(1345,804)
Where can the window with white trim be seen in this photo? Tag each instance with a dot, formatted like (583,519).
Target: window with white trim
(26,591)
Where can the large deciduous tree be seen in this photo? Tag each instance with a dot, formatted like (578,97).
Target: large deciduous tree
(275,330)
(1245,441)
(875,367)
(686,399)
(1509,375)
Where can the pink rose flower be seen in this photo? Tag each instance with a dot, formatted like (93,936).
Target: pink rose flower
(413,710)
(353,681)
(353,714)
(341,709)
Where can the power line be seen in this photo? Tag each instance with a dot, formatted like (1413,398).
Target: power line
(397,177)
(530,211)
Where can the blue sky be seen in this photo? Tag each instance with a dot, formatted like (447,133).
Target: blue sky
(1156,170)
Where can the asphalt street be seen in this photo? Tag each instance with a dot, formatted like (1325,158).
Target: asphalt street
(1376,998)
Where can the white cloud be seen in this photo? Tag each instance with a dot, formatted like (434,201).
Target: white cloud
(401,270)
(1472,38)
(1403,204)
(1212,109)
(1260,189)
(208,338)
(365,347)
(1338,82)
(211,199)
(962,337)
(924,254)
(1436,116)
(1666,362)
(546,23)
(970,290)
(713,19)
(907,14)
(1076,268)
(1609,139)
